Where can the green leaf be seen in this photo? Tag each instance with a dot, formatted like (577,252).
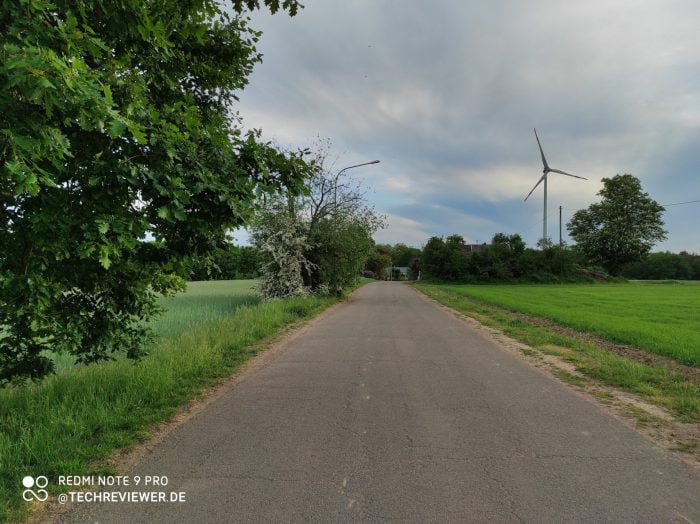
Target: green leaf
(116,128)
(105,262)
(108,94)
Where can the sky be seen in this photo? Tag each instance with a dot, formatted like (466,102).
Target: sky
(446,95)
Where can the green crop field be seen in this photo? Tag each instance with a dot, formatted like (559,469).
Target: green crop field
(662,318)
(203,301)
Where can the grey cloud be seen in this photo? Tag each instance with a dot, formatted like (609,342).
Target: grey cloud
(446,93)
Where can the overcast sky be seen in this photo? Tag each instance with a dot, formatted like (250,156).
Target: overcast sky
(446,94)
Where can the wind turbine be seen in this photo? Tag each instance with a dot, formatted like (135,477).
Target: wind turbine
(545,171)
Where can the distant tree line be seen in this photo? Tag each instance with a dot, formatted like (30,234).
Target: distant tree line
(227,263)
(665,266)
(613,237)
(506,258)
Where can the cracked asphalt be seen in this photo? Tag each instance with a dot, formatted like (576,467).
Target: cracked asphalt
(389,408)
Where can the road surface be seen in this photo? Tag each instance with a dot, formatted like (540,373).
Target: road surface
(389,408)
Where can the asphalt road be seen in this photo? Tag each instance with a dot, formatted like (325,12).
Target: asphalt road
(389,408)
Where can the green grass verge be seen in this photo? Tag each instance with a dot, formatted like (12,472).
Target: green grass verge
(657,385)
(661,318)
(67,423)
(202,302)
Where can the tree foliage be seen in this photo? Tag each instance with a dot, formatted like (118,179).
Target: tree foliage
(506,258)
(665,266)
(117,123)
(228,262)
(332,222)
(621,228)
(281,238)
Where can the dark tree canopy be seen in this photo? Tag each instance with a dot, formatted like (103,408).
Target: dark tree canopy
(621,228)
(118,125)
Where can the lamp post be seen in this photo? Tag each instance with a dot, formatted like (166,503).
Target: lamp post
(335,189)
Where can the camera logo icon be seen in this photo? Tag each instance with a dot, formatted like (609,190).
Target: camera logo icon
(39,493)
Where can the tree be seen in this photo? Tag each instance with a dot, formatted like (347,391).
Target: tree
(444,259)
(117,123)
(378,263)
(402,255)
(281,239)
(229,262)
(621,228)
(335,225)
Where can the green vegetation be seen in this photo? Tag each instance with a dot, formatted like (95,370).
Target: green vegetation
(67,423)
(656,384)
(385,256)
(665,266)
(505,259)
(228,262)
(621,228)
(317,242)
(660,318)
(119,122)
(202,302)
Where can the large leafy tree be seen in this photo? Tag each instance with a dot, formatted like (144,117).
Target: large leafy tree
(622,227)
(320,240)
(117,126)
(444,259)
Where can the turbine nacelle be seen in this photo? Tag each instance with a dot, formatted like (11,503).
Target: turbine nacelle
(546,169)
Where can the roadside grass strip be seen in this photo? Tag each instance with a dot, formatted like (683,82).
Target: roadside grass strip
(70,422)
(656,384)
(659,318)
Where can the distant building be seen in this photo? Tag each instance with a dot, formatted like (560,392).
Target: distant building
(472,248)
(402,272)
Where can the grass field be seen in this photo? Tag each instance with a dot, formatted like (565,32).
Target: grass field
(661,318)
(67,423)
(203,302)
(656,384)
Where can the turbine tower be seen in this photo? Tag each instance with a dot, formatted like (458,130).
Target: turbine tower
(545,171)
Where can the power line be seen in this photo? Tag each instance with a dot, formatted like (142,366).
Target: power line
(681,203)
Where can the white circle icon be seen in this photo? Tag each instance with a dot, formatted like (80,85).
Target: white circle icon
(28,481)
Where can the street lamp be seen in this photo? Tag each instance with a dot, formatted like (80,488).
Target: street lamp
(357,165)
(335,189)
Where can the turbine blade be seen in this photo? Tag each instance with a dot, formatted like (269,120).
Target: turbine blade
(567,174)
(537,184)
(544,160)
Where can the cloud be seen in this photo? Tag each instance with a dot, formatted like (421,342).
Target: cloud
(401,229)
(447,97)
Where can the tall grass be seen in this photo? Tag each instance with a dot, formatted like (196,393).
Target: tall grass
(65,424)
(202,302)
